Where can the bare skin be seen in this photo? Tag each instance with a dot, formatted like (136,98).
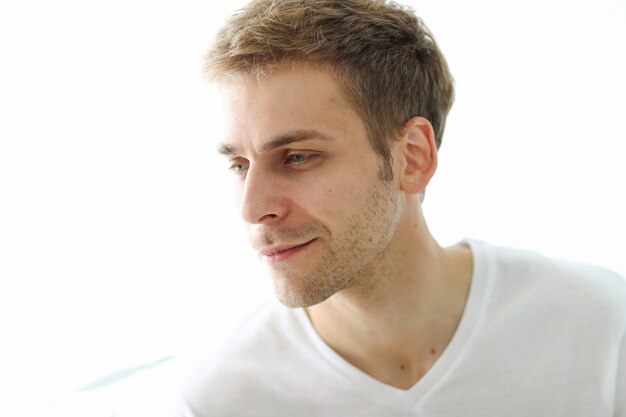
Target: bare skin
(351,249)
(398,327)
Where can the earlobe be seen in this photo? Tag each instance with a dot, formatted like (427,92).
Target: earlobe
(419,155)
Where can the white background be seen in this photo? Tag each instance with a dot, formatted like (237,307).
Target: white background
(119,239)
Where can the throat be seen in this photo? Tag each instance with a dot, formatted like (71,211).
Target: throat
(396,335)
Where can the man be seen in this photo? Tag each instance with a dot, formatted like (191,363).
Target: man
(335,112)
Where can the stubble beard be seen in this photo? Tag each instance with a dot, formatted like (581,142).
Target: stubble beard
(346,258)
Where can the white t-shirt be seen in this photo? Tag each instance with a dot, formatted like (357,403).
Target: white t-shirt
(538,337)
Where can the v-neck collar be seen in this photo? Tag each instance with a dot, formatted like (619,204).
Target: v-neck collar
(482,274)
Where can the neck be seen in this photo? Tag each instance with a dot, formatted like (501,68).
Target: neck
(399,315)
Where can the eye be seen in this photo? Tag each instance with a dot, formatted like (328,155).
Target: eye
(300,158)
(237,167)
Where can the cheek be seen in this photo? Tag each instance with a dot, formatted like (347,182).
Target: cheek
(339,190)
(337,201)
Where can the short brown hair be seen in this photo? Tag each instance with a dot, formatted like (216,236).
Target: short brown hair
(386,60)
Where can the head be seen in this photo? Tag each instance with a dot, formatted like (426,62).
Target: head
(385,59)
(335,110)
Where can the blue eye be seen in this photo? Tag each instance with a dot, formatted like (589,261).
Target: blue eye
(238,169)
(298,158)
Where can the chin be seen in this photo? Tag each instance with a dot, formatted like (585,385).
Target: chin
(294,294)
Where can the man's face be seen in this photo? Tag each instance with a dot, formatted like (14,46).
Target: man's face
(308,182)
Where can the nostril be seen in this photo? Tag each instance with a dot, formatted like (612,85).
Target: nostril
(268,216)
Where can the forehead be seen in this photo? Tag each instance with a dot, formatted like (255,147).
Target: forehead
(302,97)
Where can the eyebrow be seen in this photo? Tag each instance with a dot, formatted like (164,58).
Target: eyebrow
(279,141)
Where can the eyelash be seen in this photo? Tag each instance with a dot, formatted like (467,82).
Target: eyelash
(233,168)
(240,168)
(307,157)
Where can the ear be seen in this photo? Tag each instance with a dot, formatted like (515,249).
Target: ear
(419,155)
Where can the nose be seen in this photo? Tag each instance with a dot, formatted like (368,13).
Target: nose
(262,200)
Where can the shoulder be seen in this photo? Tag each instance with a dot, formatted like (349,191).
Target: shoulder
(249,365)
(538,269)
(261,335)
(556,285)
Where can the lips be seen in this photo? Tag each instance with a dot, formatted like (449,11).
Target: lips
(281,253)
